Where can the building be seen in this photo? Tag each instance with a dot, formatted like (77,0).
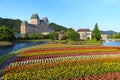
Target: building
(104,36)
(85,34)
(36,25)
(61,35)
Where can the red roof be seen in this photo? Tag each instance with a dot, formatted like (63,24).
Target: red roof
(83,30)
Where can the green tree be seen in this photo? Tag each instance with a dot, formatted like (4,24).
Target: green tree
(57,27)
(13,24)
(96,33)
(6,33)
(53,35)
(36,36)
(72,35)
(117,36)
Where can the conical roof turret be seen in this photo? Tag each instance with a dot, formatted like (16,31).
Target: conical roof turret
(24,23)
(45,19)
(34,16)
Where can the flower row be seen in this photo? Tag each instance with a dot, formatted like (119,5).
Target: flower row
(80,59)
(18,59)
(62,62)
(60,71)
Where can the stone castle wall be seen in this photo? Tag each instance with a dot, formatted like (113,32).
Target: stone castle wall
(36,26)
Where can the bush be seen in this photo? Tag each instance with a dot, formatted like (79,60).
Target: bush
(6,33)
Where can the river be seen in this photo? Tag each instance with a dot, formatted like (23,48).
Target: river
(8,49)
(111,43)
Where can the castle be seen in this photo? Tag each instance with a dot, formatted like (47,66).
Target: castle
(36,25)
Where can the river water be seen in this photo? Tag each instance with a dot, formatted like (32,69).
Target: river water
(111,43)
(8,49)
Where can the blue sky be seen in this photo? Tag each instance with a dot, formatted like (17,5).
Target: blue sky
(70,13)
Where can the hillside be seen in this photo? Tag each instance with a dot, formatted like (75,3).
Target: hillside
(110,32)
(58,27)
(14,24)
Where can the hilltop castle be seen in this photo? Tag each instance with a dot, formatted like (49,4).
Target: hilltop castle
(36,25)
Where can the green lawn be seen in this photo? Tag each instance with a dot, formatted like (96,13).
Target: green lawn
(25,40)
(5,43)
(8,43)
(92,42)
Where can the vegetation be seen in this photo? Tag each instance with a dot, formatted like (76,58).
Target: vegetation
(54,35)
(5,43)
(10,55)
(69,34)
(110,32)
(14,25)
(34,36)
(64,62)
(92,42)
(72,35)
(116,36)
(6,33)
(96,33)
(57,27)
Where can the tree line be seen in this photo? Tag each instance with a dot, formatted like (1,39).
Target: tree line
(8,27)
(13,24)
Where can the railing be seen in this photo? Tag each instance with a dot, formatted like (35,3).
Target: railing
(111,40)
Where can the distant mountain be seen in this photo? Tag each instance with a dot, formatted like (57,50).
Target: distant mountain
(58,27)
(107,32)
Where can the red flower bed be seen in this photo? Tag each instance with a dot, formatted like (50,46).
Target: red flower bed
(60,55)
(108,76)
(62,49)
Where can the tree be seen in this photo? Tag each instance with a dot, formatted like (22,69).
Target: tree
(72,35)
(96,33)
(6,33)
(53,35)
(57,27)
(13,24)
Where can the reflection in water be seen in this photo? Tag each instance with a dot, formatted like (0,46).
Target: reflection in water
(111,43)
(8,49)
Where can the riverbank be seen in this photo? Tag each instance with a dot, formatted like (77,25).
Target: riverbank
(26,41)
(9,43)
(5,43)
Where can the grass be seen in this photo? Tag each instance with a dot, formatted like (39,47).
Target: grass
(8,43)
(92,42)
(11,54)
(25,40)
(5,43)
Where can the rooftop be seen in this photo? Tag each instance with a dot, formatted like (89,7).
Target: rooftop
(45,19)
(34,16)
(83,30)
(24,23)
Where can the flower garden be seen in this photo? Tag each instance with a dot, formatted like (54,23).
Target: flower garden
(65,62)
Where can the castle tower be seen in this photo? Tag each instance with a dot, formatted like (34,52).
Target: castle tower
(23,28)
(45,21)
(35,19)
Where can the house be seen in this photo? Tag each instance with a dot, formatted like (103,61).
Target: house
(104,36)
(61,35)
(36,25)
(85,34)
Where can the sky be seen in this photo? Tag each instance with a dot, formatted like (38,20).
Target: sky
(74,14)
